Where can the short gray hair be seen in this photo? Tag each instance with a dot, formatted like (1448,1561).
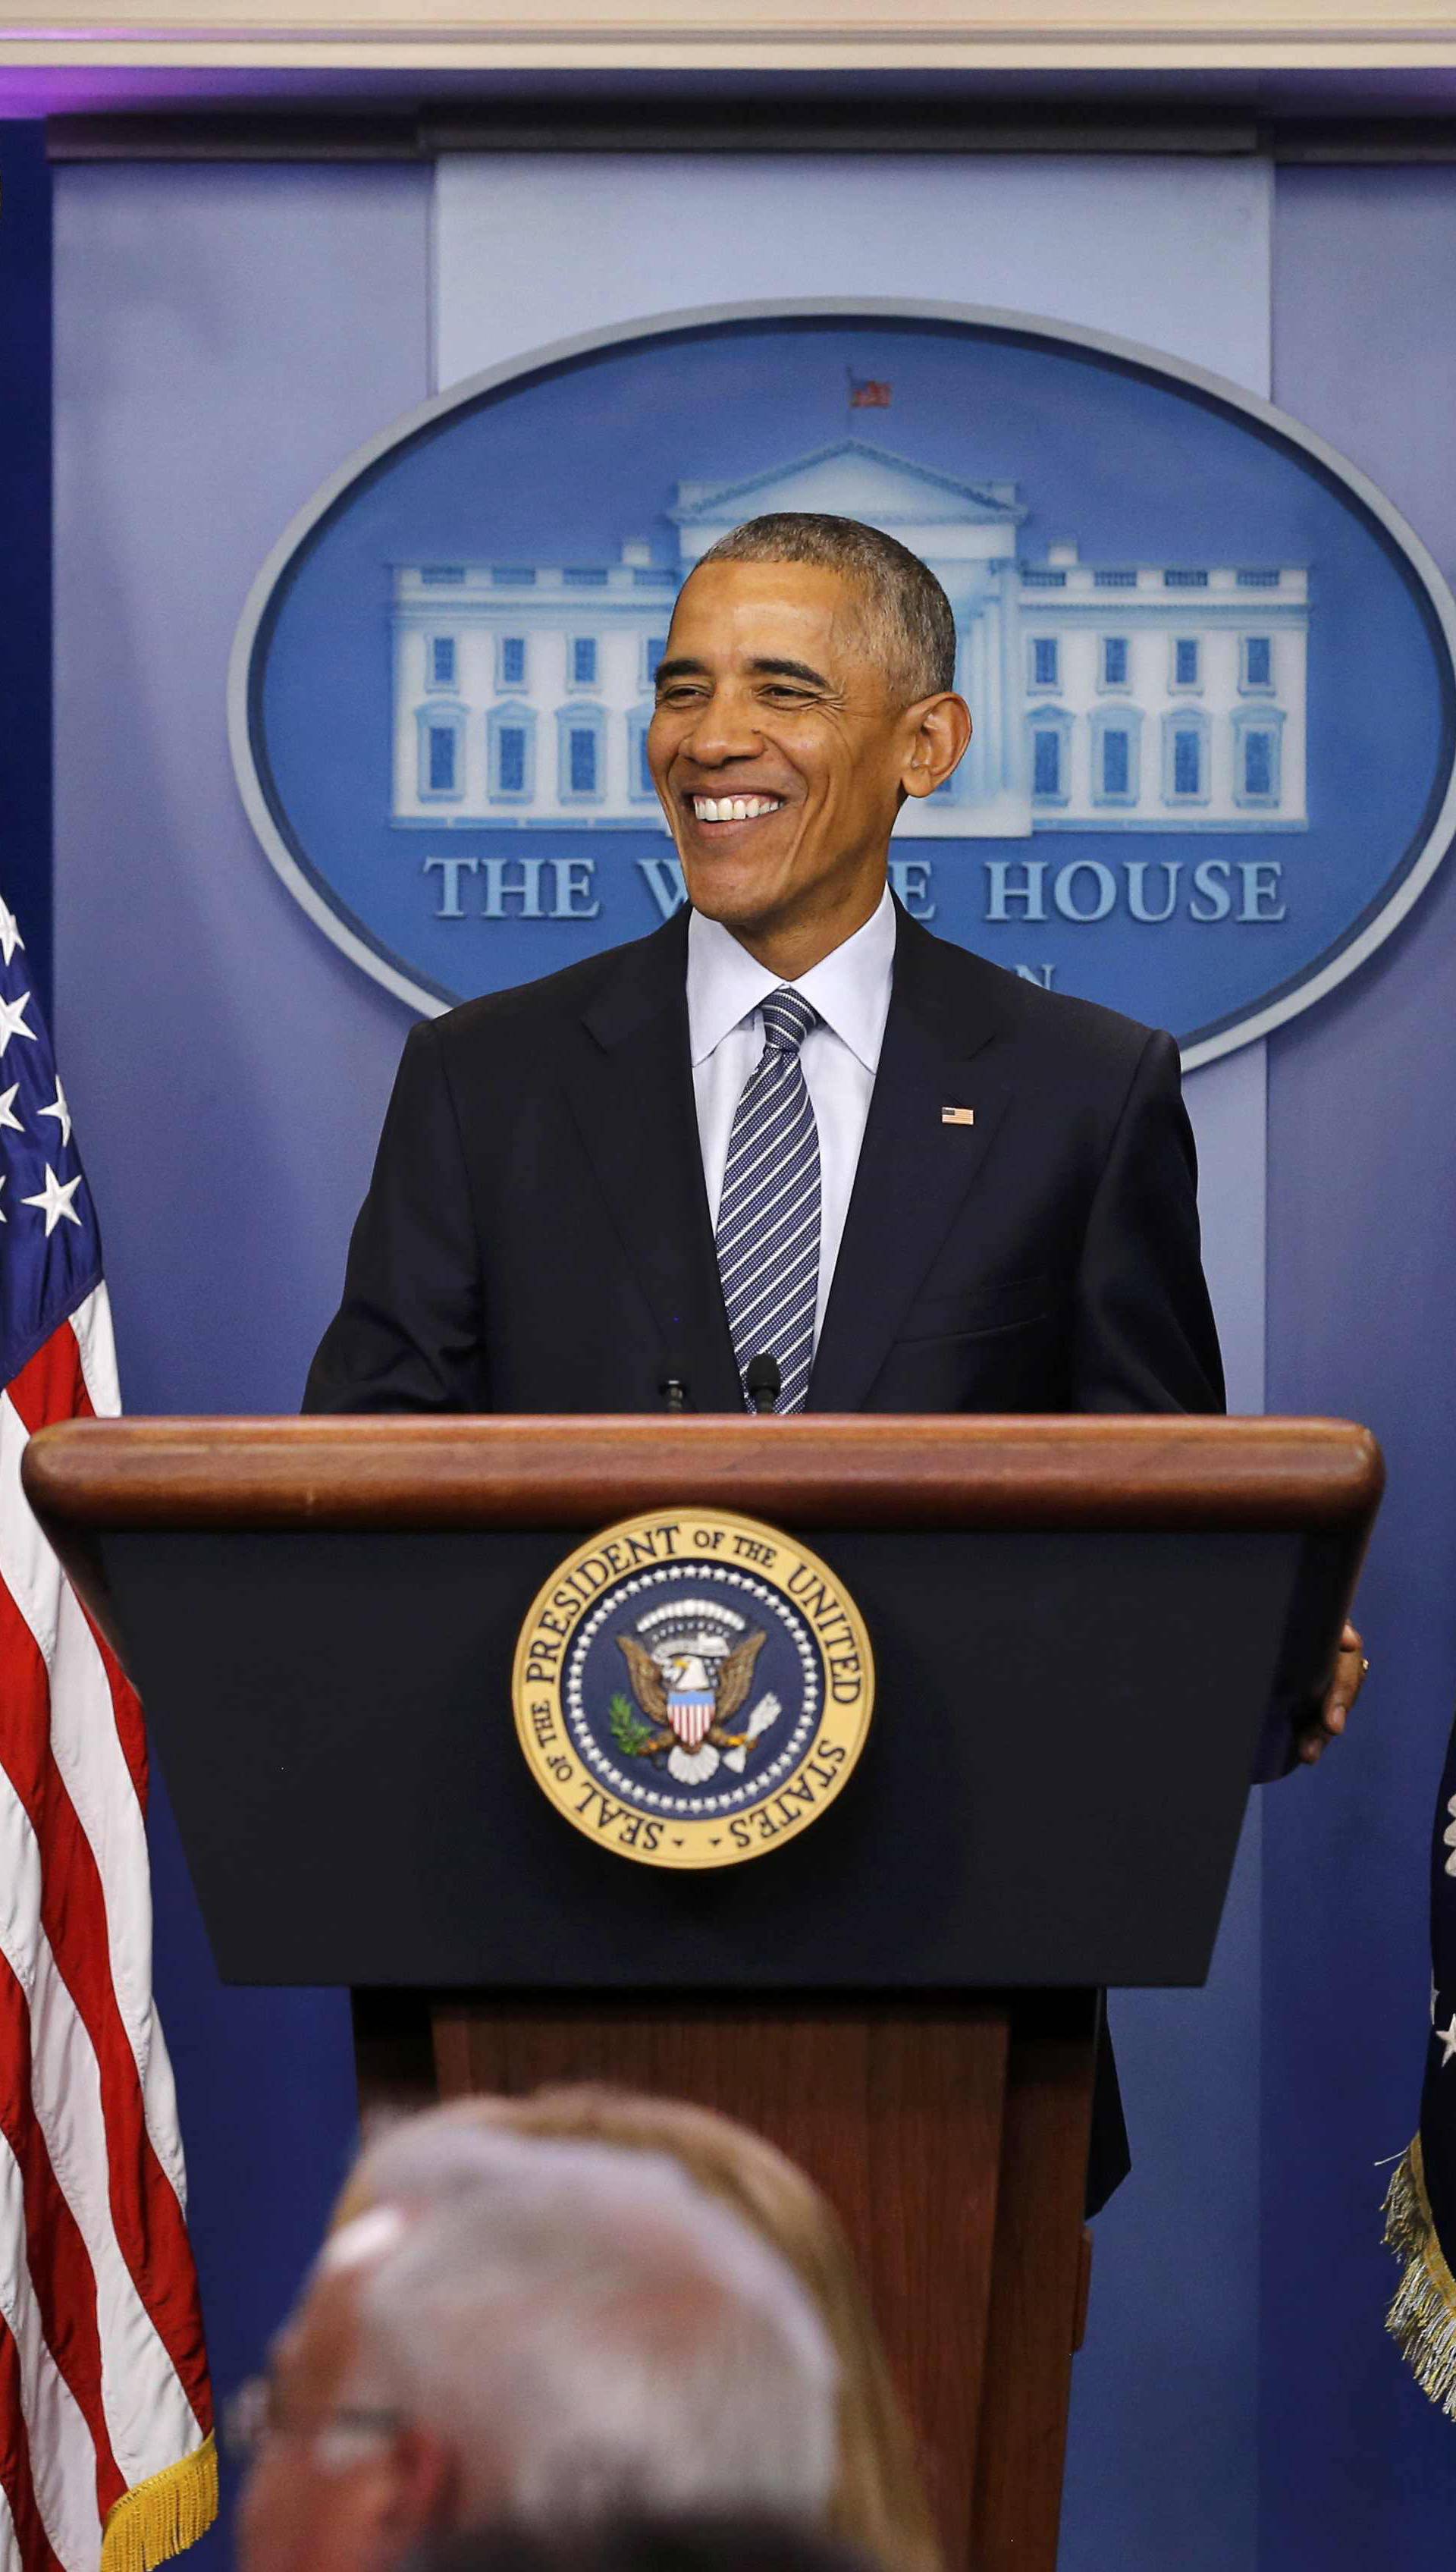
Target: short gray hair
(910,623)
(593,2334)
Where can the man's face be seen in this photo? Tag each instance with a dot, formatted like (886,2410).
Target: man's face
(780,756)
(324,2495)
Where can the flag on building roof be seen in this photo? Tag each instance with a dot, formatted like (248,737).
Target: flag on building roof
(1420,2209)
(106,2447)
(867,392)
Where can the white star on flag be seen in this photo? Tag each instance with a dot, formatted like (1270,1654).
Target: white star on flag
(54,1199)
(59,1109)
(12,1021)
(4,1218)
(1446,2039)
(7,1109)
(10,936)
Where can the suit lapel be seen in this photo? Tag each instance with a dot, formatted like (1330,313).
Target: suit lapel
(914,1171)
(630,1088)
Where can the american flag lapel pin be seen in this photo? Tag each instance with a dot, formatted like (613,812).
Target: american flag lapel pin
(957,1115)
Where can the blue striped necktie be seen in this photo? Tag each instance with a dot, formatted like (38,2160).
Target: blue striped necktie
(769,1214)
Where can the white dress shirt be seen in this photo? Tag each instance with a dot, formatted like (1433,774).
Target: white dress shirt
(850,989)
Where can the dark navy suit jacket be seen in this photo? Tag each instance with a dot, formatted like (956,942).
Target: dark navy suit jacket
(536,1235)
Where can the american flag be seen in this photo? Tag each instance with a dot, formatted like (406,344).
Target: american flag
(1420,2209)
(869,392)
(106,2447)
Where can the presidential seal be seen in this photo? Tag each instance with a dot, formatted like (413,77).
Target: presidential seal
(692,1688)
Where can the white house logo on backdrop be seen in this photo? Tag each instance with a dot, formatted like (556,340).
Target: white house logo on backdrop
(1210,669)
(1108,696)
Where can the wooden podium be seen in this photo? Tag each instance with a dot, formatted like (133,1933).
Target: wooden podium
(1089,1635)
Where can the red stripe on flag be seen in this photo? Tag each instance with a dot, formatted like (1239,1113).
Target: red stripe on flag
(51,1387)
(36,2552)
(59,2262)
(150,2230)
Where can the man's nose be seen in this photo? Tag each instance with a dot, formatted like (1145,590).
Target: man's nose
(725,730)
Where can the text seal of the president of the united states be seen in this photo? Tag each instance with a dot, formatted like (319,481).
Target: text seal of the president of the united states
(692,1687)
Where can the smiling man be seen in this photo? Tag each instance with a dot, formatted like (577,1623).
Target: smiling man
(790,1124)
(790,1130)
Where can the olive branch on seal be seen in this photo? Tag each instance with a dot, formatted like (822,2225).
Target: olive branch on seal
(629,1731)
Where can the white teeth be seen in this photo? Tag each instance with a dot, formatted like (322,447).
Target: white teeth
(734,808)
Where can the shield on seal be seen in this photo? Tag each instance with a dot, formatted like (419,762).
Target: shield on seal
(692,1700)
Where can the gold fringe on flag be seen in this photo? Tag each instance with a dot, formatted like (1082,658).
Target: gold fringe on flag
(163,2515)
(1423,2316)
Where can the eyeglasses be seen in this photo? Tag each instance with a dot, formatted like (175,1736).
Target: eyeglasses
(257,2412)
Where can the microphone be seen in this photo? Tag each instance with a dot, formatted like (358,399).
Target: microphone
(762,1381)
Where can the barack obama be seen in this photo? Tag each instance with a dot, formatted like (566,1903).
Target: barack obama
(790,1123)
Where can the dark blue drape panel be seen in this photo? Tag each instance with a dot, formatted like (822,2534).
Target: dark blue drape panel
(25,540)
(1358,2470)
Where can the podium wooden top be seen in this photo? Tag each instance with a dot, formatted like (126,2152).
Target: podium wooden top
(87,1477)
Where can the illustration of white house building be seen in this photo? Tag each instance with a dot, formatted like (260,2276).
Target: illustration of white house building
(1122,695)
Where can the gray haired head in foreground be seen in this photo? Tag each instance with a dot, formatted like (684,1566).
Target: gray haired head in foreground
(909,622)
(591,2335)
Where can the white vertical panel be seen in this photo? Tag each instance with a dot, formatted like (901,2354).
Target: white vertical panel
(530,247)
(1228,1101)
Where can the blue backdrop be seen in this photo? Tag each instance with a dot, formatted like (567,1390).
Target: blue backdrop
(1358,2470)
(229,1069)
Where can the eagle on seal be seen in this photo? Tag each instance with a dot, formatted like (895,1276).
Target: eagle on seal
(691,1701)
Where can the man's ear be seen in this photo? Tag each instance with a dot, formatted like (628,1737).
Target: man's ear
(939,741)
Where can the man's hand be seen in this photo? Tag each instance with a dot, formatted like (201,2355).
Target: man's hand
(1344,1688)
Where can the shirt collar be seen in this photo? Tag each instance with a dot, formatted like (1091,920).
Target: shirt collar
(849,989)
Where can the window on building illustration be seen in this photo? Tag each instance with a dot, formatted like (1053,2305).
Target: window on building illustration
(1258,764)
(1115,660)
(580,760)
(1044,656)
(1046,765)
(1258,661)
(584,660)
(442,758)
(654,650)
(442,660)
(645,785)
(1187,762)
(1186,661)
(512,746)
(1116,763)
(512,669)
(510,760)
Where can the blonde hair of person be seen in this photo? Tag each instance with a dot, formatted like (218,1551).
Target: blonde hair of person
(880,2502)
